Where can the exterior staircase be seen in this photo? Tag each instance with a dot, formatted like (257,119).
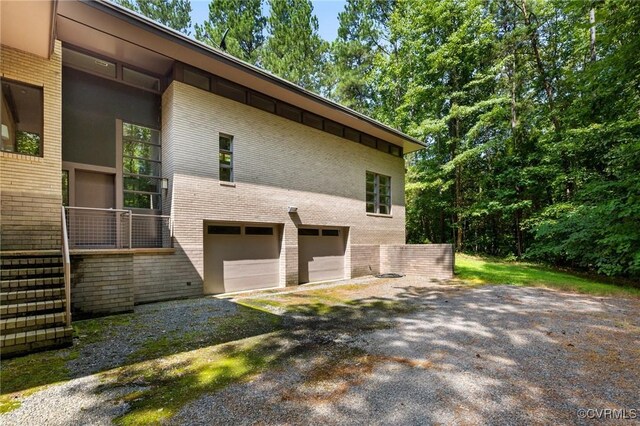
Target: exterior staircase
(32,303)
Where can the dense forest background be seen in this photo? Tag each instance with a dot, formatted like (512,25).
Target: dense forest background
(530,110)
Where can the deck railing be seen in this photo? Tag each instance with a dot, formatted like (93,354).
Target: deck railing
(66,263)
(92,228)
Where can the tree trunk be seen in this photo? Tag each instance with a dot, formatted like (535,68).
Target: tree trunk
(592,33)
(533,37)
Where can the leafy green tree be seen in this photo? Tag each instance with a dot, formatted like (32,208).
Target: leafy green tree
(175,14)
(246,25)
(294,49)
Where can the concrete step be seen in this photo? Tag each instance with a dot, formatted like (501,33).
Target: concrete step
(30,262)
(22,342)
(21,296)
(27,273)
(15,310)
(32,322)
(32,283)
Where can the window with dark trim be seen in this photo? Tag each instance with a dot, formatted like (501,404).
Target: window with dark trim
(258,230)
(141,167)
(226,158)
(223,230)
(378,188)
(22,118)
(308,231)
(330,233)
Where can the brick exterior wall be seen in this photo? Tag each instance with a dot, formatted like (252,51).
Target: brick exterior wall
(30,187)
(427,260)
(277,163)
(101,284)
(164,277)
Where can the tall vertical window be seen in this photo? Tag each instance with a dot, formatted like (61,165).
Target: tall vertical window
(226,158)
(142,167)
(378,193)
(22,118)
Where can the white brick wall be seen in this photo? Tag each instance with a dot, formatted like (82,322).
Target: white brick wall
(30,187)
(277,163)
(426,260)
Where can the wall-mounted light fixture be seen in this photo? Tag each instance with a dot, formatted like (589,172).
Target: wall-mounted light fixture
(164,183)
(293,209)
(5,132)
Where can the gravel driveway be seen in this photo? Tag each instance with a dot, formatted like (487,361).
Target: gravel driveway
(486,355)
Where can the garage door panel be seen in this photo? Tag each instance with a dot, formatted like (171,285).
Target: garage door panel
(321,258)
(250,274)
(322,268)
(240,262)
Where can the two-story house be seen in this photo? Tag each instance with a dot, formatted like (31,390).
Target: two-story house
(182,171)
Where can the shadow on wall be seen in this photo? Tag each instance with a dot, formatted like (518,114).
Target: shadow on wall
(112,283)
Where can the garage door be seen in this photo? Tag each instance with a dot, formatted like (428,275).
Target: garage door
(240,257)
(320,254)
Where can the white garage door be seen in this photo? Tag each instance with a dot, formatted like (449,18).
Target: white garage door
(320,254)
(240,257)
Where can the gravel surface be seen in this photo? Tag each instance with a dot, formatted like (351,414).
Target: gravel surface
(77,402)
(486,355)
(491,355)
(152,321)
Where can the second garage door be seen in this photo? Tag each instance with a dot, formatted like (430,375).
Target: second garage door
(320,254)
(240,257)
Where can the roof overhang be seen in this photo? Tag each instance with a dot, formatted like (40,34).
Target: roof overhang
(28,25)
(110,29)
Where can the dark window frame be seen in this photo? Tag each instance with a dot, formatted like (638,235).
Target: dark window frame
(226,229)
(229,152)
(162,84)
(158,164)
(256,230)
(40,89)
(377,202)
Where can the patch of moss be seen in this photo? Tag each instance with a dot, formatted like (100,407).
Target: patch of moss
(26,375)
(185,377)
(96,329)
(246,322)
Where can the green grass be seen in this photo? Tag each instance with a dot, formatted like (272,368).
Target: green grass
(477,270)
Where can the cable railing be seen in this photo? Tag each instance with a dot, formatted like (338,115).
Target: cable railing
(66,263)
(93,228)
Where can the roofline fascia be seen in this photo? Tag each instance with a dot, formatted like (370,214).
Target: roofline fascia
(173,35)
(52,36)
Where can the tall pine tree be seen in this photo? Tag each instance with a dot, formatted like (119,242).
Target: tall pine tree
(294,49)
(246,25)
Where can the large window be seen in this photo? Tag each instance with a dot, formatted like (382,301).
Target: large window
(226,158)
(378,193)
(22,118)
(142,167)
